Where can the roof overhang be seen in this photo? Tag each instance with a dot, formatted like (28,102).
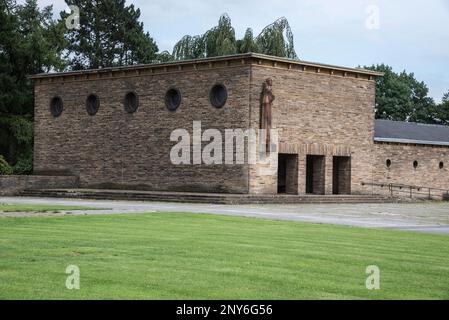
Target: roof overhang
(411,141)
(255,57)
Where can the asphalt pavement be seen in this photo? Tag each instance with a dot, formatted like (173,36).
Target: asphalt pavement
(430,217)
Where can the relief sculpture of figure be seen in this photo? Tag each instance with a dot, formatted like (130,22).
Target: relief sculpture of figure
(267,99)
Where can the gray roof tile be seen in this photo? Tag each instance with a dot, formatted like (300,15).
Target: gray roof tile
(410,132)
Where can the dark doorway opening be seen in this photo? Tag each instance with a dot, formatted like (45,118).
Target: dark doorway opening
(288,173)
(341,183)
(315,174)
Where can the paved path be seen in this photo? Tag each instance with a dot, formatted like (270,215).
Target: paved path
(424,217)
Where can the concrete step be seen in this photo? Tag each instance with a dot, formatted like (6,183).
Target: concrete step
(201,197)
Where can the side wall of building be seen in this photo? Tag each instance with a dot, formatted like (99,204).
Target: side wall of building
(316,112)
(115,149)
(432,166)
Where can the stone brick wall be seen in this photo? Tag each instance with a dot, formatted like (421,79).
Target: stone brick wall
(317,112)
(12,185)
(402,171)
(114,149)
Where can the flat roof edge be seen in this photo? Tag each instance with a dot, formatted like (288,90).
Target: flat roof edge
(205,60)
(317,64)
(411,141)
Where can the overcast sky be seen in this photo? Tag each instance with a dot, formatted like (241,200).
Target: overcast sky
(410,34)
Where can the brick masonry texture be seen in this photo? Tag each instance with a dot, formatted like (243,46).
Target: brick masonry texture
(12,185)
(321,111)
(114,149)
(402,171)
(317,114)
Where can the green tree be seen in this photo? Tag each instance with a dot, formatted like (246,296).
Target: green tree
(109,35)
(400,97)
(275,39)
(30,42)
(248,43)
(442,110)
(218,41)
(163,56)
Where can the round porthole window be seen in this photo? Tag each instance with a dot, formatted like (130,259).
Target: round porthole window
(172,99)
(415,164)
(131,102)
(92,104)
(56,106)
(388,163)
(218,95)
(441,165)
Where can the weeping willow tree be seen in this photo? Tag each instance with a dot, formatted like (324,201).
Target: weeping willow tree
(275,39)
(218,41)
(247,44)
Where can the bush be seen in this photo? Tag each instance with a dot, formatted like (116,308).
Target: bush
(16,143)
(23,166)
(5,168)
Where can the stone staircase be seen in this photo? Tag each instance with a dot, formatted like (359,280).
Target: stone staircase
(189,197)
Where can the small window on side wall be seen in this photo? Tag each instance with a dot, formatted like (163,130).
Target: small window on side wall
(56,106)
(92,104)
(415,164)
(218,95)
(131,102)
(173,99)
(388,163)
(441,165)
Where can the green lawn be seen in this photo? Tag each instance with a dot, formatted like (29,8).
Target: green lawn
(197,256)
(4,207)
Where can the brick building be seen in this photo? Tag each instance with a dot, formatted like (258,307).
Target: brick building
(111,128)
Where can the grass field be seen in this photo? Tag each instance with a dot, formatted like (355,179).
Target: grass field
(4,207)
(197,256)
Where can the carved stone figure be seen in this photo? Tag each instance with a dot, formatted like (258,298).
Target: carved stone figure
(267,99)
